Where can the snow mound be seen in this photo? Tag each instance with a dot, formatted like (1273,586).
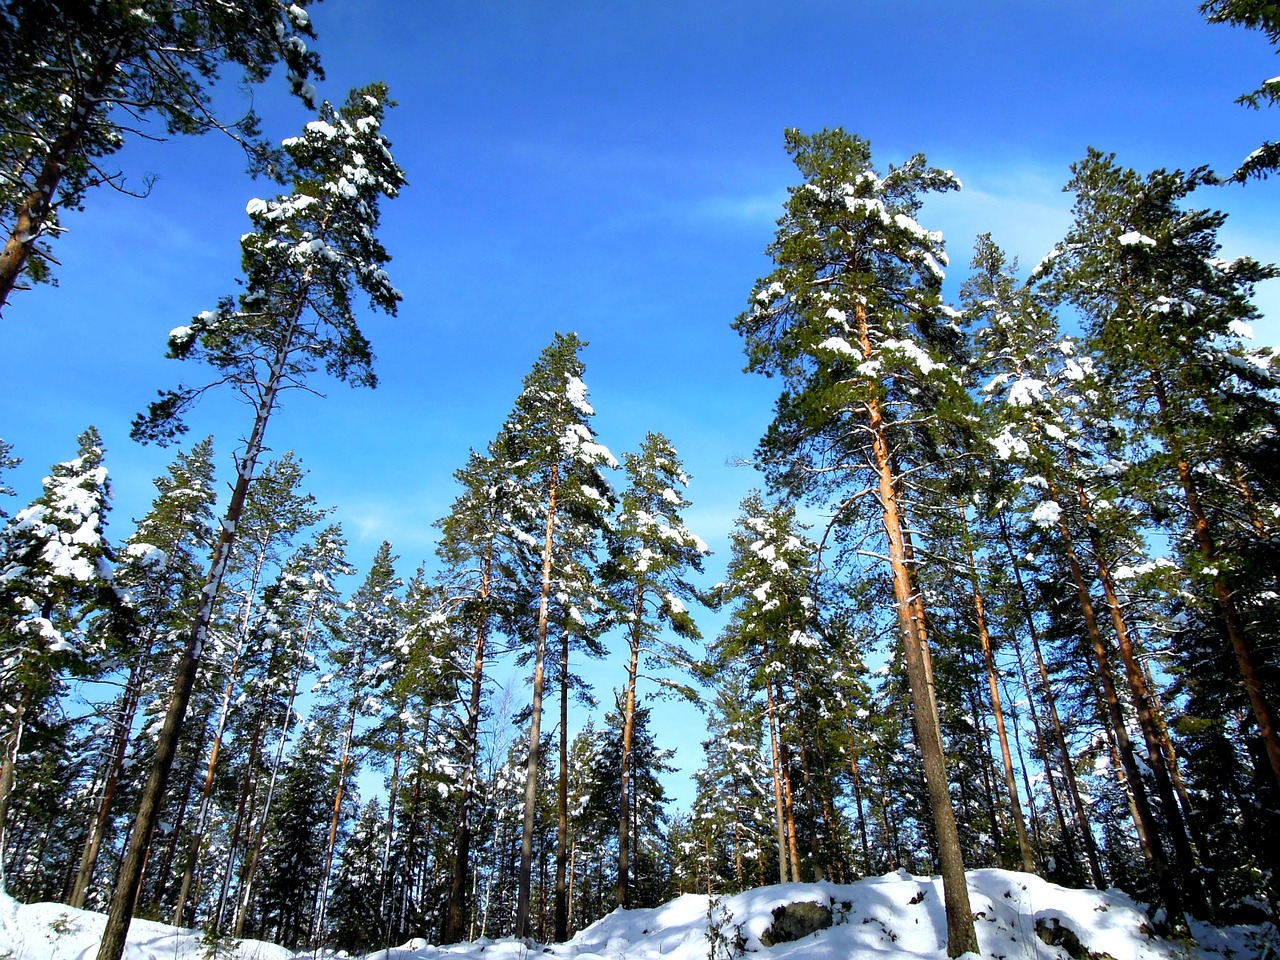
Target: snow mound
(895,917)
(54,931)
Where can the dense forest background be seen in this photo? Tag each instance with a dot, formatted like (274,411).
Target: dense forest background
(1005,594)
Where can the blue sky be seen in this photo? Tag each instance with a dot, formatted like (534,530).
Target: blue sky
(611,168)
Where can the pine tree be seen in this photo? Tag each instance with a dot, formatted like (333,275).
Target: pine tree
(650,553)
(482,552)
(56,571)
(75,70)
(774,622)
(1256,15)
(851,319)
(548,440)
(302,611)
(160,572)
(304,259)
(1166,316)
(365,661)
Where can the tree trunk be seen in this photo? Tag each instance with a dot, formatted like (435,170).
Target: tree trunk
(997,708)
(1073,786)
(525,878)
(1177,828)
(285,724)
(562,801)
(456,909)
(35,209)
(961,937)
(628,728)
(322,898)
(1144,820)
(779,817)
(1263,711)
(123,727)
(130,878)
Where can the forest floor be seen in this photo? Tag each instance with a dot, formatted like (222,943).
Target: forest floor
(894,917)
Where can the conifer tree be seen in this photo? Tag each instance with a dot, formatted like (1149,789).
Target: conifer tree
(160,572)
(302,608)
(365,663)
(549,442)
(1166,316)
(852,320)
(650,553)
(307,255)
(1256,15)
(74,71)
(482,551)
(773,623)
(55,571)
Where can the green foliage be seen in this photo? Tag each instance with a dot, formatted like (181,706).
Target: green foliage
(308,253)
(80,78)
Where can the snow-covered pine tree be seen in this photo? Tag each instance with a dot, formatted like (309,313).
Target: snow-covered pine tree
(481,551)
(160,572)
(732,812)
(56,570)
(1167,317)
(773,623)
(294,854)
(74,71)
(276,513)
(651,551)
(302,610)
(308,254)
(365,662)
(549,442)
(1041,396)
(1031,379)
(851,318)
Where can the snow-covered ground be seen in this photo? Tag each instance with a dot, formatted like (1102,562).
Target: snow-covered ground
(894,917)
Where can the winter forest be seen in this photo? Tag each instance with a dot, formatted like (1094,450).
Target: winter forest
(1003,593)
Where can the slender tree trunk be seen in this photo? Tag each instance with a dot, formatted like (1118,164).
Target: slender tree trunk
(562,801)
(788,805)
(986,766)
(1073,786)
(120,749)
(997,708)
(1147,722)
(1144,820)
(628,728)
(961,937)
(1043,747)
(1263,712)
(779,817)
(456,909)
(391,830)
(862,813)
(322,897)
(285,724)
(525,879)
(130,877)
(8,778)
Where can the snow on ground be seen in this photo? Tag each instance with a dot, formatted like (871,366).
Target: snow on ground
(894,917)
